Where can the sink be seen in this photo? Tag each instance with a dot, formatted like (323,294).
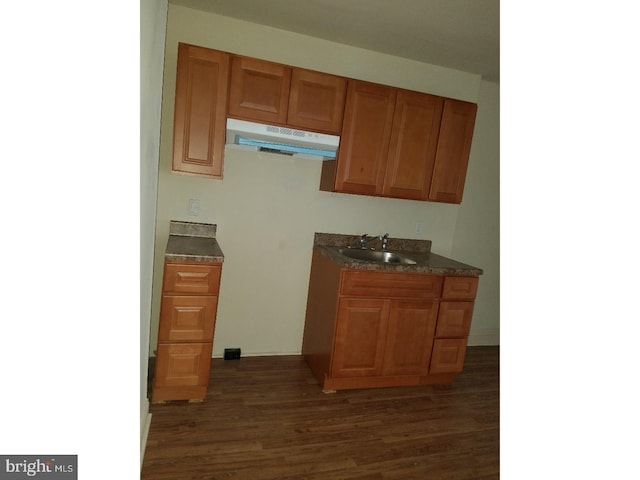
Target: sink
(377,256)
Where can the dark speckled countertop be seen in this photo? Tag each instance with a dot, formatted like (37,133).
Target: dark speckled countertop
(193,242)
(418,250)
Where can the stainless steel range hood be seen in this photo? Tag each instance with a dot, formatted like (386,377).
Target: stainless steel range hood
(281,140)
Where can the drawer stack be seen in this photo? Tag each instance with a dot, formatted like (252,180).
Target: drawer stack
(185,332)
(454,321)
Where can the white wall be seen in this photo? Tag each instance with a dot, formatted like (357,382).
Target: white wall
(477,233)
(153,21)
(268,207)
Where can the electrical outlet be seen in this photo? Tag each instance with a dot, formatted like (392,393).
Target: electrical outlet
(194,207)
(419,227)
(232,354)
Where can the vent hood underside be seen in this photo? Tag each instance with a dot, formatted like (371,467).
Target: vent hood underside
(282,140)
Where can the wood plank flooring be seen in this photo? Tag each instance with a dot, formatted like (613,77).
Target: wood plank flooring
(266,418)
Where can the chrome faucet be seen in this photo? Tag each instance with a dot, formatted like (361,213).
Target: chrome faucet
(364,240)
(384,239)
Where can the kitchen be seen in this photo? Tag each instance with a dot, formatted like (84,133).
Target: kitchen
(267,207)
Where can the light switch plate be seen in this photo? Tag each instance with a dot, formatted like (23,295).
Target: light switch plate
(194,207)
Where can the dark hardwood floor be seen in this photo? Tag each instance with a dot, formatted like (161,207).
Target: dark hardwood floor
(266,418)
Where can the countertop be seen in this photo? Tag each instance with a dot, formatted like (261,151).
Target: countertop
(418,250)
(193,242)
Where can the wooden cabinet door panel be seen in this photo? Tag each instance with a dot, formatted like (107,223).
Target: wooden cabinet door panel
(448,355)
(364,143)
(316,101)
(259,90)
(454,319)
(187,318)
(191,278)
(360,337)
(183,364)
(410,337)
(452,155)
(412,150)
(200,110)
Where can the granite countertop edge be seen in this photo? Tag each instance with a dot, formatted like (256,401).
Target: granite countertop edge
(193,242)
(418,250)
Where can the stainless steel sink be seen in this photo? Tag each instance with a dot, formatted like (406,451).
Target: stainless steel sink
(377,256)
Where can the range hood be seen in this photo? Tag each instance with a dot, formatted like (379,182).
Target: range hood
(282,140)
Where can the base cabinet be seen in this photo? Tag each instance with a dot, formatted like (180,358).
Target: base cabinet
(368,328)
(185,333)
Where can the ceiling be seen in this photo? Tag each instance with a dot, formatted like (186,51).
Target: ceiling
(459,34)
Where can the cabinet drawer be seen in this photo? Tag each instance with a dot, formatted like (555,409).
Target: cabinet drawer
(448,355)
(187,318)
(191,278)
(183,364)
(460,288)
(454,319)
(359,283)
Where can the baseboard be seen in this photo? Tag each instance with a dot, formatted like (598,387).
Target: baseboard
(145,425)
(484,338)
(260,354)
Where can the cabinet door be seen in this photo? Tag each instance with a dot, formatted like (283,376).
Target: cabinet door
(412,150)
(448,355)
(316,101)
(259,90)
(187,318)
(454,319)
(364,144)
(360,337)
(200,111)
(410,337)
(452,155)
(183,364)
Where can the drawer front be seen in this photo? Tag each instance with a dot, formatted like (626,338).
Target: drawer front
(191,278)
(454,319)
(183,364)
(448,355)
(460,288)
(187,318)
(359,283)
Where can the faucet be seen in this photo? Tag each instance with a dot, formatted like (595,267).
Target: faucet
(384,239)
(364,239)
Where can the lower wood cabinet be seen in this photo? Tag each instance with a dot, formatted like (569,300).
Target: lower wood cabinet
(185,332)
(368,328)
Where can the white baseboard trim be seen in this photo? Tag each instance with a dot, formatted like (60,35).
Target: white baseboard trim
(261,354)
(484,339)
(145,425)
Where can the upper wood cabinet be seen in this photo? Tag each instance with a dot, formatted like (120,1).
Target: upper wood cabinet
(394,142)
(454,145)
(272,93)
(259,90)
(316,101)
(403,144)
(200,110)
(366,131)
(412,150)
